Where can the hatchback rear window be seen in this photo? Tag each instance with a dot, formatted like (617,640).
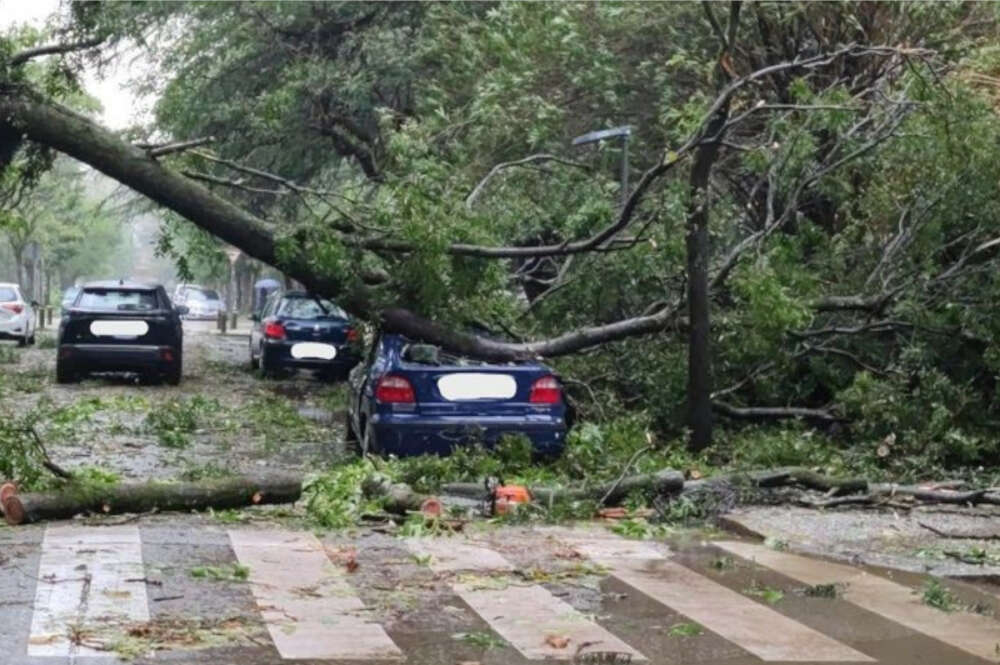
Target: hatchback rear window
(308,308)
(7,294)
(119,300)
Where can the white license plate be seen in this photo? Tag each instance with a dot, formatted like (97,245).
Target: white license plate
(313,351)
(119,328)
(472,385)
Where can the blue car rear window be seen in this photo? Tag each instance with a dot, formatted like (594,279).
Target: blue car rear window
(308,308)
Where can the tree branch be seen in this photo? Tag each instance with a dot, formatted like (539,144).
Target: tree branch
(170,148)
(875,304)
(775,413)
(24,56)
(531,159)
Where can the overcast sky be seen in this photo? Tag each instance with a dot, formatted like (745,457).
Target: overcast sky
(121,108)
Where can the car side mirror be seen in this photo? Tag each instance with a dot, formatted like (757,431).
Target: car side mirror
(182,309)
(255,318)
(34,303)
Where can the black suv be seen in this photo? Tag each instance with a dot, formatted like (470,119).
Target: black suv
(121,327)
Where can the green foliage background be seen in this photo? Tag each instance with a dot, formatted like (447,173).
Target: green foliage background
(392,114)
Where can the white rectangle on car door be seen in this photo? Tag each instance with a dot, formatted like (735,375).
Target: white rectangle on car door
(314,350)
(476,385)
(119,328)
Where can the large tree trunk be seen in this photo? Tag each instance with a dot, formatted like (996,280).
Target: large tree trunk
(18,251)
(699,388)
(699,392)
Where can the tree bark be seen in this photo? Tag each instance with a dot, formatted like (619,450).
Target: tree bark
(144,497)
(699,388)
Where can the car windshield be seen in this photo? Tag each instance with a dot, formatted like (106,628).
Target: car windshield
(199,294)
(118,300)
(71,293)
(308,308)
(7,294)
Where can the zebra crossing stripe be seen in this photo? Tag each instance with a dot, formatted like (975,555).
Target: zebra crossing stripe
(753,627)
(972,633)
(527,616)
(87,578)
(309,607)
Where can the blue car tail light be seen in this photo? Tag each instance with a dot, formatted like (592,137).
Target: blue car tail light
(274,330)
(393,389)
(545,390)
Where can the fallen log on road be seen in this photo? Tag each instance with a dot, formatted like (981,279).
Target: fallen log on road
(666,481)
(399,498)
(221,493)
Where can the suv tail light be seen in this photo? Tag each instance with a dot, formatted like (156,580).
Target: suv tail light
(13,307)
(274,330)
(392,389)
(545,390)
(352,334)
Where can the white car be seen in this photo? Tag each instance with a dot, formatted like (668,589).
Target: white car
(17,316)
(202,303)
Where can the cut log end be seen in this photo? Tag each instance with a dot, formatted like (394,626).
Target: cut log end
(13,510)
(431,507)
(7,490)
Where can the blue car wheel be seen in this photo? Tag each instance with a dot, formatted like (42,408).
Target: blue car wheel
(369,442)
(269,366)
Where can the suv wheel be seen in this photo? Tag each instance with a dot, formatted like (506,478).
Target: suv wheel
(175,371)
(65,373)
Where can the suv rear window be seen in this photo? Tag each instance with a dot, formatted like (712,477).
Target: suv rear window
(118,300)
(8,294)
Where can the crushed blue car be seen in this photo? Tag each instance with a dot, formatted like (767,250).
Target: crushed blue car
(409,399)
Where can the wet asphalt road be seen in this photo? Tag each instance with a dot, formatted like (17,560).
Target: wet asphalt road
(226,394)
(682,602)
(113,589)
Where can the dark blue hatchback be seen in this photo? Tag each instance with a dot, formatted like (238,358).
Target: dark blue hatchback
(296,330)
(412,399)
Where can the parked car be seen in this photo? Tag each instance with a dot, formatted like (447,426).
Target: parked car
(412,399)
(201,302)
(297,330)
(121,327)
(69,296)
(17,315)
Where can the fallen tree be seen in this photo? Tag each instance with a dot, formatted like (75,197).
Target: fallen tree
(666,481)
(73,499)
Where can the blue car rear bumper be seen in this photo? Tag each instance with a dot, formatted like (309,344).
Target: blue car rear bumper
(404,434)
(280,355)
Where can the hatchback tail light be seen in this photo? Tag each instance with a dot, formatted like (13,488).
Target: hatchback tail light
(392,389)
(352,334)
(546,390)
(17,308)
(274,330)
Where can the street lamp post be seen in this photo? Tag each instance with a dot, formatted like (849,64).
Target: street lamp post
(624,132)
